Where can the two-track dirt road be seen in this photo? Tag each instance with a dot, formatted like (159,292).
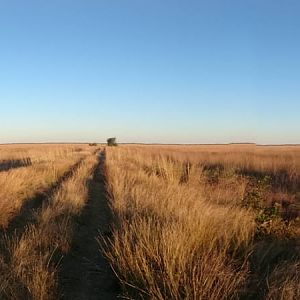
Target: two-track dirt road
(84,272)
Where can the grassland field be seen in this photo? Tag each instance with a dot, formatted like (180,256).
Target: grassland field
(149,222)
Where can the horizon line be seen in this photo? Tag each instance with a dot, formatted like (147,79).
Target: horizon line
(141,143)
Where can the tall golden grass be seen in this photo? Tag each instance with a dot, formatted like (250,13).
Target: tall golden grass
(190,222)
(29,264)
(271,160)
(48,164)
(182,229)
(39,152)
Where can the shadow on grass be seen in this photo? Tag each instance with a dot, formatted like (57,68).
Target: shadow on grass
(6,165)
(27,214)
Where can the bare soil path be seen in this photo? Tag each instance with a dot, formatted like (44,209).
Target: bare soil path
(85,273)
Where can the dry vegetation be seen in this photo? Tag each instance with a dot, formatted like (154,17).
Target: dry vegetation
(190,222)
(28,261)
(28,170)
(205,222)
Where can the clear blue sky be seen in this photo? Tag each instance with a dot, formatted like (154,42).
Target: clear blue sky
(150,71)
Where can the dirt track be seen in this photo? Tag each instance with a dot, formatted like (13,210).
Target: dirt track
(84,272)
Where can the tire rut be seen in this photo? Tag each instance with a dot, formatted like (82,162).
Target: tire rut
(84,272)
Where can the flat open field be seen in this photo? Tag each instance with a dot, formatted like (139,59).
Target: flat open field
(149,222)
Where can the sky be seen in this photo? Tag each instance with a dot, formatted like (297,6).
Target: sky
(154,71)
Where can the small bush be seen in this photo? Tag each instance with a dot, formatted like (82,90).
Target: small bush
(112,142)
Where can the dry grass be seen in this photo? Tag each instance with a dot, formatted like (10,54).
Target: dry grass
(191,222)
(47,165)
(284,282)
(38,152)
(29,262)
(186,226)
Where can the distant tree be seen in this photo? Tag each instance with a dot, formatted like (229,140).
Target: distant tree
(112,141)
(92,144)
